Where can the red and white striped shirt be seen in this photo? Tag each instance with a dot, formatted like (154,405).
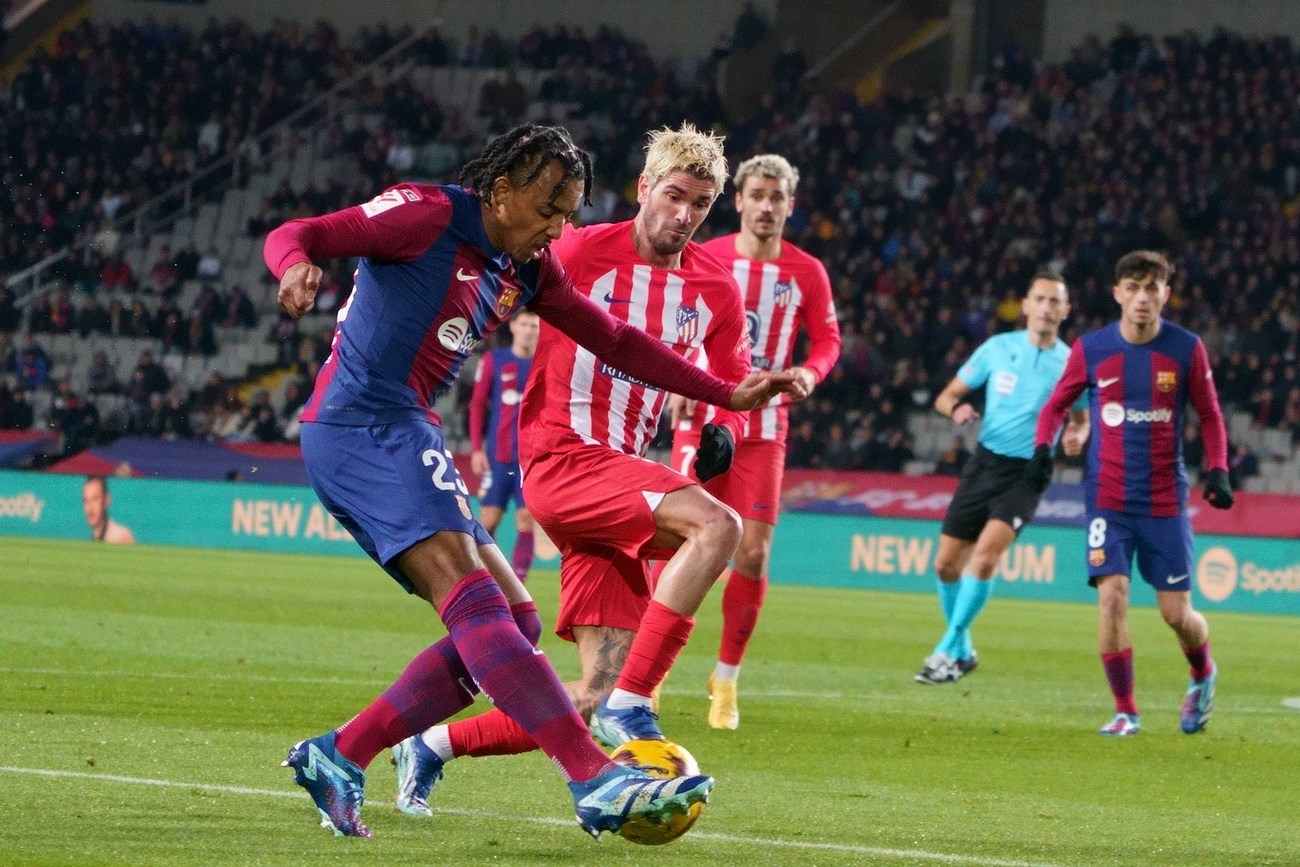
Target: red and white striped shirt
(781,296)
(574,398)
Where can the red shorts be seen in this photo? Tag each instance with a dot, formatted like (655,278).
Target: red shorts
(597,506)
(753,484)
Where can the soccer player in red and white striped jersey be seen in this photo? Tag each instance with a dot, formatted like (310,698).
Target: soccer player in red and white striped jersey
(785,291)
(583,427)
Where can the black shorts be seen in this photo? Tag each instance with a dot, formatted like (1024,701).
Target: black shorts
(992,486)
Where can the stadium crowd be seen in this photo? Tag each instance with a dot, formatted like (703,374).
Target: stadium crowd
(930,212)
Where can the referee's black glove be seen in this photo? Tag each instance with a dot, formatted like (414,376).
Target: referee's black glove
(1038,472)
(716,450)
(1217,490)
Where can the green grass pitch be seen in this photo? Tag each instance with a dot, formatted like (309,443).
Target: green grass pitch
(147,696)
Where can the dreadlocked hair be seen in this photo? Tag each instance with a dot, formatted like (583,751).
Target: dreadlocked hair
(522,154)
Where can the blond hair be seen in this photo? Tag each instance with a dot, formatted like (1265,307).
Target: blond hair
(767,166)
(687,150)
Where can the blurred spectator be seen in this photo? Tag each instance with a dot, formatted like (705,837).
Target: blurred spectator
(92,318)
(750,28)
(19,414)
(76,420)
(1242,465)
(210,266)
(153,378)
(804,449)
(239,310)
(102,375)
(165,275)
(115,275)
(32,365)
(952,460)
(187,261)
(139,321)
(837,452)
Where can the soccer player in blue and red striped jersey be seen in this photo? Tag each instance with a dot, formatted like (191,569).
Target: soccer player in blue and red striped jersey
(1141,372)
(440,268)
(494,435)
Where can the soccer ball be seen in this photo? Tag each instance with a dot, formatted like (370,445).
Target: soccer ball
(663,759)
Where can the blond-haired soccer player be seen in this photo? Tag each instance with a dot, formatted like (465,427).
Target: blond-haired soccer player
(584,427)
(785,291)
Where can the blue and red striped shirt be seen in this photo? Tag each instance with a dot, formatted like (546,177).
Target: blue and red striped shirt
(1138,403)
(494,405)
(429,287)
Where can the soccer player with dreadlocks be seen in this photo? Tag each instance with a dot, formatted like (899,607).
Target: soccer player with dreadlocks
(440,268)
(584,428)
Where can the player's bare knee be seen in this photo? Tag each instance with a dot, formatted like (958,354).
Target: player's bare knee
(984,563)
(720,528)
(753,556)
(948,568)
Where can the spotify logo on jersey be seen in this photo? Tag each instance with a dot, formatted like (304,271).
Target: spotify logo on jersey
(1112,414)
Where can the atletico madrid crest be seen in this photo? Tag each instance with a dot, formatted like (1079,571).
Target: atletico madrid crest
(782,292)
(506,301)
(688,323)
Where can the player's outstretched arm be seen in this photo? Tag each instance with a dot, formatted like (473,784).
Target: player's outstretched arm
(758,388)
(624,346)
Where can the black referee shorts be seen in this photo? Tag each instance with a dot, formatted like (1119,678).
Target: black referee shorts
(992,486)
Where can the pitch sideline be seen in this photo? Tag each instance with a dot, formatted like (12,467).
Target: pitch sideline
(878,851)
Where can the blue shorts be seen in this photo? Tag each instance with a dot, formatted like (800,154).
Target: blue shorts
(501,484)
(390,485)
(1163,547)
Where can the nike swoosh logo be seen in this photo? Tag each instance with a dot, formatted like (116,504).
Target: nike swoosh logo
(462,275)
(1174,579)
(610,299)
(1102,383)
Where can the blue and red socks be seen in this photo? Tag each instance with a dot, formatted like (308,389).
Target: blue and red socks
(1119,674)
(1200,661)
(521,556)
(516,676)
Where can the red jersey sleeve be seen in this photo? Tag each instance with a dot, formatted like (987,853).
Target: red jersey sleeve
(625,346)
(822,324)
(1205,397)
(396,226)
(1074,379)
(478,402)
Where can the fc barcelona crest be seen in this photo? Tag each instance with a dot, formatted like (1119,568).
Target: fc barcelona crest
(506,301)
(1096,557)
(782,292)
(688,323)
(1166,380)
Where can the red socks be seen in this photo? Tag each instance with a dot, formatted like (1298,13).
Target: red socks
(741,601)
(659,639)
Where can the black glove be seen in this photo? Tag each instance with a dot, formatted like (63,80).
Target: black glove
(1217,490)
(716,450)
(1038,472)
